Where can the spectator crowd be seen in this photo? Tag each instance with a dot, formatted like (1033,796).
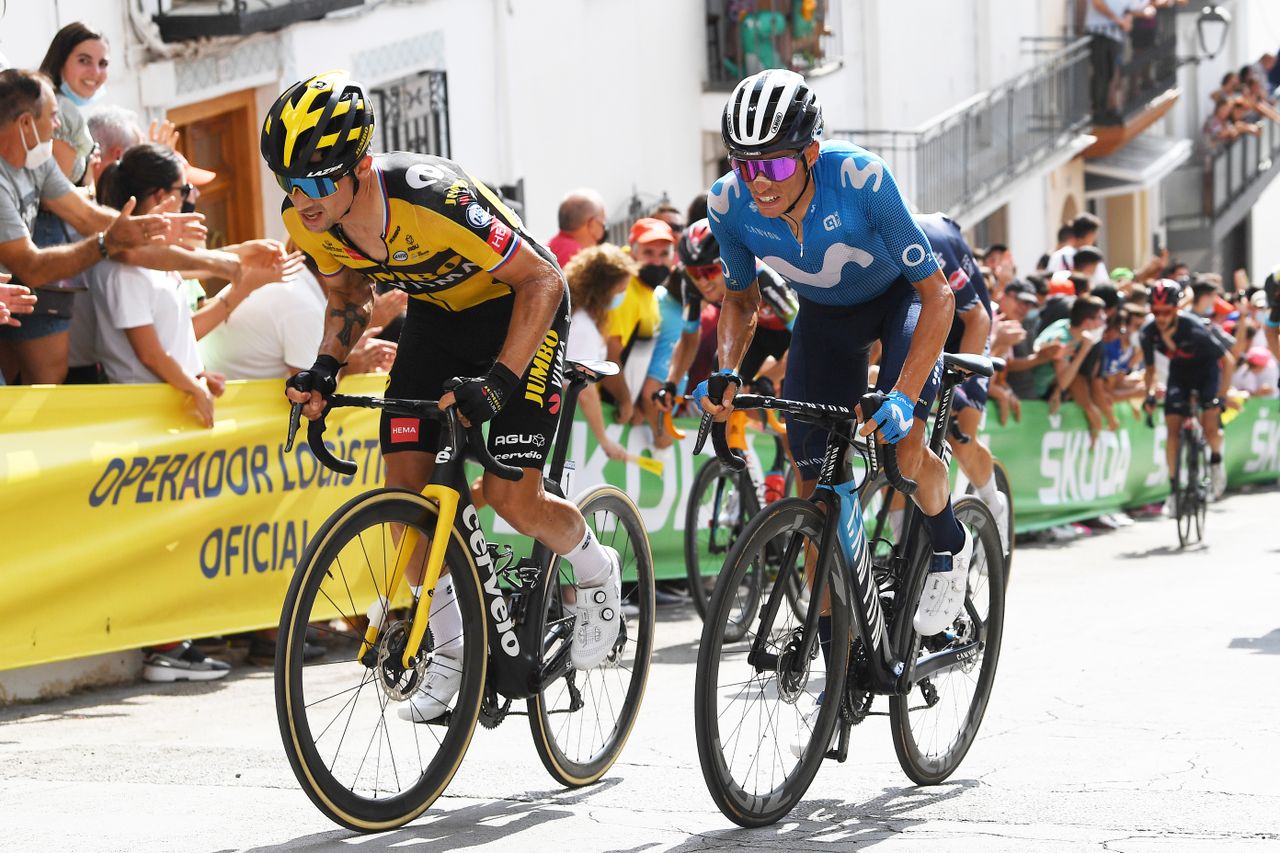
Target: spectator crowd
(105,277)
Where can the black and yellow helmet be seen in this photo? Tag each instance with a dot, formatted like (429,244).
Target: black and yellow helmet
(320,127)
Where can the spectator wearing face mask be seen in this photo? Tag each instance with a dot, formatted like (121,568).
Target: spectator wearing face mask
(634,325)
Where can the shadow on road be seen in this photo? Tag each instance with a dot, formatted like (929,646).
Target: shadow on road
(834,824)
(456,829)
(1267,644)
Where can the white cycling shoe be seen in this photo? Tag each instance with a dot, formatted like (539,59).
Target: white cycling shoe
(440,684)
(1001,512)
(1217,481)
(599,617)
(943,594)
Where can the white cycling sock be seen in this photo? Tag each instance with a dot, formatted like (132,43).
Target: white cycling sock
(445,620)
(987,491)
(591,563)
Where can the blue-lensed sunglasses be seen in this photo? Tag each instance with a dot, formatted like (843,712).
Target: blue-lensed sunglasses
(311,187)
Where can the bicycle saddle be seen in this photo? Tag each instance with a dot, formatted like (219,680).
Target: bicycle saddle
(968,363)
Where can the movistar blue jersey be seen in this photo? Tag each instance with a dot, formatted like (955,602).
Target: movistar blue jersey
(858,234)
(958,266)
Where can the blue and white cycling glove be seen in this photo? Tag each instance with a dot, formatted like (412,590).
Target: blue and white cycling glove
(714,387)
(895,417)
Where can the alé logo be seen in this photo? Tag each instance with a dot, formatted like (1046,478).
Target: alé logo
(1076,474)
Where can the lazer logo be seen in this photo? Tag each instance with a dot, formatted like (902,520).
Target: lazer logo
(489,578)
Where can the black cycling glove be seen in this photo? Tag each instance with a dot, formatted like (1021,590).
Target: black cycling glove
(718,383)
(665,396)
(480,398)
(321,377)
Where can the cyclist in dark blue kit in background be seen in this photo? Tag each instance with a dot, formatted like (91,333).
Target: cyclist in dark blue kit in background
(970,333)
(1195,353)
(828,217)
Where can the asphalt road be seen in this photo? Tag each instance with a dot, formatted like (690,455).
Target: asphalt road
(1137,707)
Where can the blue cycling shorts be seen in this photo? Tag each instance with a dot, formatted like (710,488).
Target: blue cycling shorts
(829,358)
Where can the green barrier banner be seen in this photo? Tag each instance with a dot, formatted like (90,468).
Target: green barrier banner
(1057,477)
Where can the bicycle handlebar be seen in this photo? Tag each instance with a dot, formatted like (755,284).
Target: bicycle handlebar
(419,408)
(820,414)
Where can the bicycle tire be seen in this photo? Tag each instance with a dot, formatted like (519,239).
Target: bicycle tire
(1001,475)
(1203,486)
(784,729)
(710,529)
(1184,494)
(986,586)
(348,534)
(616,522)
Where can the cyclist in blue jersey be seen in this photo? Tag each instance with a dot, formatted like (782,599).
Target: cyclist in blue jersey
(1200,360)
(828,217)
(970,333)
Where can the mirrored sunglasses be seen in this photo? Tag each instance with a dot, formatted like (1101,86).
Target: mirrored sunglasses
(310,187)
(773,168)
(703,271)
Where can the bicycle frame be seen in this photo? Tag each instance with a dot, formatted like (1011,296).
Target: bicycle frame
(894,667)
(518,671)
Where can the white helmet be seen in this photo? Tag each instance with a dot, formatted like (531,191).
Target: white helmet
(774,110)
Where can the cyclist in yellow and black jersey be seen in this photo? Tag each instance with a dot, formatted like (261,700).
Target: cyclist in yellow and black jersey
(486,329)
(445,235)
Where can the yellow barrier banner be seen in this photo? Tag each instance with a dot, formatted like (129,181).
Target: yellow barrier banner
(126,523)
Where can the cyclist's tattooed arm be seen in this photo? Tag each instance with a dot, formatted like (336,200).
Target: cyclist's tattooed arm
(350,304)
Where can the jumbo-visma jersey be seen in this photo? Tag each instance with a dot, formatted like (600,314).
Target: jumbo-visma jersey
(446,233)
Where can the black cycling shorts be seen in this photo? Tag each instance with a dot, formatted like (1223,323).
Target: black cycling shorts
(437,345)
(764,343)
(830,346)
(1177,395)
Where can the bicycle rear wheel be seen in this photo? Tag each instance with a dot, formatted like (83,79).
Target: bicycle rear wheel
(582,719)
(721,502)
(764,727)
(1202,486)
(934,725)
(363,766)
(1002,486)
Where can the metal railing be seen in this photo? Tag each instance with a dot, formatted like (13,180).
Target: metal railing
(413,114)
(801,36)
(989,141)
(1202,191)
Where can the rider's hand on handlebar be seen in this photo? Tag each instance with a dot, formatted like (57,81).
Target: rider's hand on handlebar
(715,394)
(665,396)
(480,398)
(313,386)
(894,418)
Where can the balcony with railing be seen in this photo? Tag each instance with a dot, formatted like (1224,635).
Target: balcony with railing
(969,154)
(1147,73)
(180,20)
(746,36)
(1216,190)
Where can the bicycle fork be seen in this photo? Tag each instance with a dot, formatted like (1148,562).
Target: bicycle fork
(447,509)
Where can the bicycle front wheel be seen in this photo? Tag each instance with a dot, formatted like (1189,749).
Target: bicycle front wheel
(721,502)
(764,715)
(1185,497)
(582,719)
(359,762)
(935,724)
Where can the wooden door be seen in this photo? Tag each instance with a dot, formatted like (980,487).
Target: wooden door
(221,135)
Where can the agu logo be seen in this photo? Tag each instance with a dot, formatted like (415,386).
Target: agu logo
(404,430)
